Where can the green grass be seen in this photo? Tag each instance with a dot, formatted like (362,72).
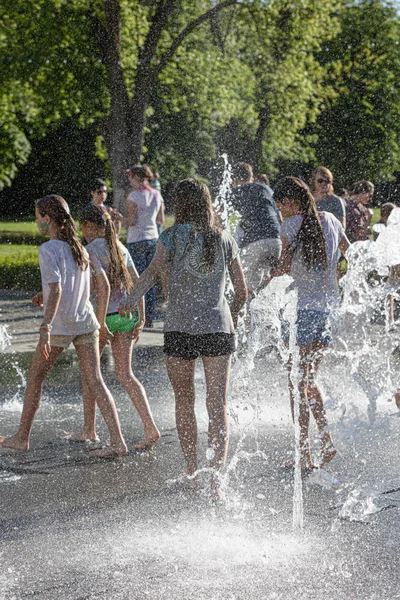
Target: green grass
(27,227)
(19,267)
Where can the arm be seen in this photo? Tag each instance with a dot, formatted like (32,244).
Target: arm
(344,244)
(285,263)
(103,297)
(131,215)
(139,327)
(147,279)
(160,215)
(239,287)
(342,217)
(48,318)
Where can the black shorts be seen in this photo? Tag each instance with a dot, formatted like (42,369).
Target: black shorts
(190,347)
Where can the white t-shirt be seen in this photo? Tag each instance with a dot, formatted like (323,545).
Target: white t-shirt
(100,259)
(317,288)
(148,202)
(75,314)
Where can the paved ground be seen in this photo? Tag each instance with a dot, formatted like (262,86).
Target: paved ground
(77,528)
(23,322)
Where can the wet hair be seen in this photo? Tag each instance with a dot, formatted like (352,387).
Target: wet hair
(361,187)
(262,178)
(386,209)
(310,239)
(58,210)
(97,183)
(342,193)
(150,173)
(119,276)
(142,172)
(324,172)
(242,171)
(192,204)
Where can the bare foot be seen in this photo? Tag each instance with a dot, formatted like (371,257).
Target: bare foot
(14,443)
(81,436)
(148,443)
(306,467)
(217,496)
(327,456)
(109,452)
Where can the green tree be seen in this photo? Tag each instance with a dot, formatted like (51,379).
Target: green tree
(359,130)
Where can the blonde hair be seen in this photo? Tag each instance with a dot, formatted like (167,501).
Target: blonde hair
(325,173)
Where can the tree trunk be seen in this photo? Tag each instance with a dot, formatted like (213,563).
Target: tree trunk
(255,151)
(116,126)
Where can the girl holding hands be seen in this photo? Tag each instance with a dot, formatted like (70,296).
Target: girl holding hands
(195,256)
(110,257)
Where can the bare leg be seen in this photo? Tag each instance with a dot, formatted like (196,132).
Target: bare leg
(217,373)
(89,358)
(316,402)
(121,345)
(181,376)
(38,371)
(304,414)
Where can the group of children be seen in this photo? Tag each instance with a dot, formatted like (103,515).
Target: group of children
(93,296)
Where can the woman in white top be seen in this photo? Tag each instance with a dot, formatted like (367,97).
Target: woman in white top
(144,211)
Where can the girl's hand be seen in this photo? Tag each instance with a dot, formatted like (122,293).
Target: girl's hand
(137,331)
(105,335)
(44,343)
(125,309)
(37,300)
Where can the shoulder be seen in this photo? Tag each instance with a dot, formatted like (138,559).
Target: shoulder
(52,247)
(291,226)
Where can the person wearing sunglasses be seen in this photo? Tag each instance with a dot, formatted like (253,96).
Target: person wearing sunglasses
(99,192)
(321,186)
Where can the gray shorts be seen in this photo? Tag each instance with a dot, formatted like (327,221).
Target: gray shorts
(63,341)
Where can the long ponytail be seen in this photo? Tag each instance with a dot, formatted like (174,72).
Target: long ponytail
(58,210)
(192,204)
(119,276)
(310,239)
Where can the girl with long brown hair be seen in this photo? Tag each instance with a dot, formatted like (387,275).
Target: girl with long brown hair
(195,256)
(310,243)
(68,317)
(111,257)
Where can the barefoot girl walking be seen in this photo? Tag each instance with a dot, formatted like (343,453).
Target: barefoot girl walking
(68,317)
(114,260)
(195,255)
(310,242)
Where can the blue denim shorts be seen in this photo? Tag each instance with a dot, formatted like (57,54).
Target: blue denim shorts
(311,325)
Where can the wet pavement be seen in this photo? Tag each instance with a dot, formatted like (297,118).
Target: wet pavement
(74,527)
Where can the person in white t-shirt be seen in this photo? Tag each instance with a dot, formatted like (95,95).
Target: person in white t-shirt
(310,243)
(144,211)
(68,317)
(113,259)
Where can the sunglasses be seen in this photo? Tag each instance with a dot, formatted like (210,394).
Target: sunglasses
(323,181)
(101,192)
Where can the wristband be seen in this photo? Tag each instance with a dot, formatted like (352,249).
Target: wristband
(46,326)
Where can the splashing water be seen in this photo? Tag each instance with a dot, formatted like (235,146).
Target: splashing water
(5,338)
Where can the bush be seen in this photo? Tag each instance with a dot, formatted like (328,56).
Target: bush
(19,268)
